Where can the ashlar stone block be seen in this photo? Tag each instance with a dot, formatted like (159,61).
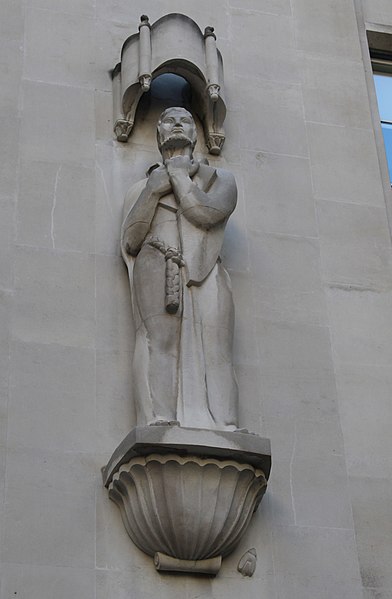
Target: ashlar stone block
(52,468)
(55,41)
(321,499)
(11,63)
(59,582)
(300,558)
(275,203)
(11,21)
(273,120)
(377,593)
(57,113)
(7,235)
(9,151)
(355,244)
(371,500)
(48,527)
(378,11)
(329,28)
(74,7)
(286,278)
(334,91)
(54,297)
(364,393)
(57,383)
(50,195)
(263,31)
(345,164)
(273,7)
(114,381)
(360,320)
(115,327)
(296,369)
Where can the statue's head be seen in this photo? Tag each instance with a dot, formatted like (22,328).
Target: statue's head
(176,129)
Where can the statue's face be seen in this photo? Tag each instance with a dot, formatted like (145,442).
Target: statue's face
(176,129)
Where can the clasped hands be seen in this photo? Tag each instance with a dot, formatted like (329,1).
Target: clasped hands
(162,178)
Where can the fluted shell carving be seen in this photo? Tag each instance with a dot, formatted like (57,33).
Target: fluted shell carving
(186,507)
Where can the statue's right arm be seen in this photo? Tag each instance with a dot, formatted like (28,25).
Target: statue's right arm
(137,219)
(140,205)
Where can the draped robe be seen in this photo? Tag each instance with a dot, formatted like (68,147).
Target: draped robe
(182,366)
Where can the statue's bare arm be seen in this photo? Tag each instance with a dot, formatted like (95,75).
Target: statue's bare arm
(203,209)
(137,221)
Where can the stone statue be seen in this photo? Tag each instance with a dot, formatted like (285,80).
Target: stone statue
(172,234)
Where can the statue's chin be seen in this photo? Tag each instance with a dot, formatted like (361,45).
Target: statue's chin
(176,141)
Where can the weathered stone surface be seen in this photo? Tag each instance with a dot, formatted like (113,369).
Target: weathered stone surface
(56,382)
(371,500)
(274,7)
(378,11)
(67,34)
(164,562)
(210,505)
(262,31)
(62,581)
(247,563)
(54,298)
(49,196)
(241,447)
(53,435)
(57,123)
(320,29)
(187,493)
(300,555)
(187,508)
(344,164)
(368,445)
(171,239)
(361,332)
(270,103)
(158,49)
(38,510)
(276,204)
(335,91)
(360,234)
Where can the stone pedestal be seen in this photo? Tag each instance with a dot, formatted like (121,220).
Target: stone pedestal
(187,495)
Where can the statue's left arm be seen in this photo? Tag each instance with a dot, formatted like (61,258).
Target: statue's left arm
(205,209)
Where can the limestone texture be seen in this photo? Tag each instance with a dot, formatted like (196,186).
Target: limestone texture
(308,252)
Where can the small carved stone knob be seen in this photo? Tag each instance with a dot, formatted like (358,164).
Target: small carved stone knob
(247,564)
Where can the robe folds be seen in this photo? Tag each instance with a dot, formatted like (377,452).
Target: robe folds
(182,365)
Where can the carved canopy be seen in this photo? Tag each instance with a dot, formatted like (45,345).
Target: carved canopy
(173,44)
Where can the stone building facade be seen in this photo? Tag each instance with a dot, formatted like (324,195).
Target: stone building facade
(309,253)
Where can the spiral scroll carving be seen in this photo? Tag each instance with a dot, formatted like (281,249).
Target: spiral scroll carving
(189,508)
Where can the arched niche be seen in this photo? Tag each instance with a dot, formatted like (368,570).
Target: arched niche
(173,44)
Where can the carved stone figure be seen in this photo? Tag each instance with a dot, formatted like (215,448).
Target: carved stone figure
(247,564)
(172,234)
